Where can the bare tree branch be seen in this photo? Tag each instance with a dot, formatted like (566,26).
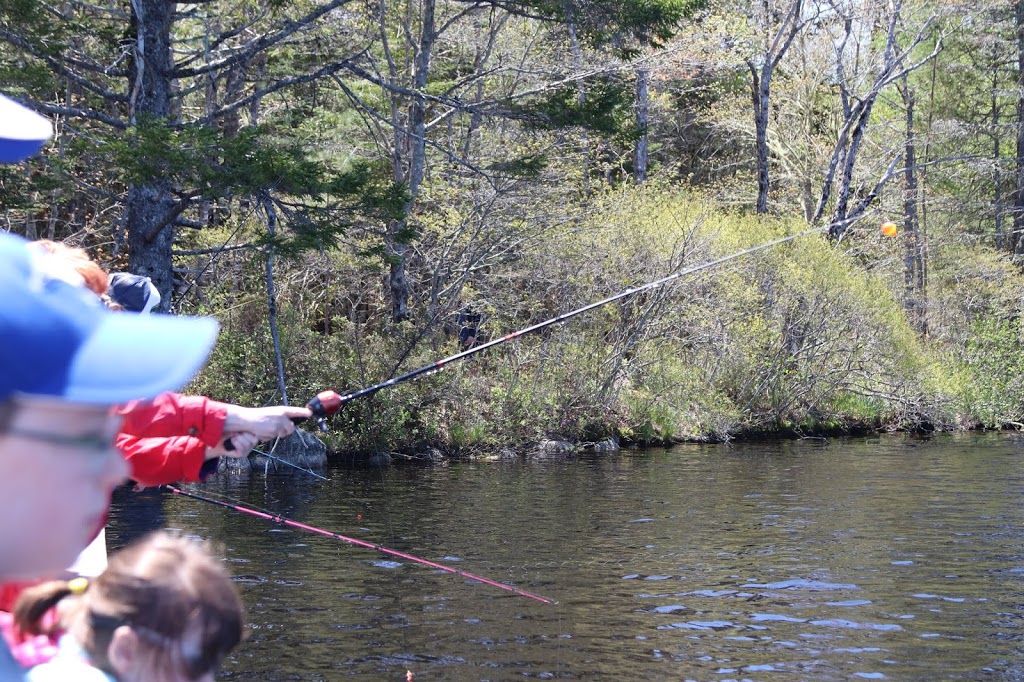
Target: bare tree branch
(224,37)
(71,111)
(216,249)
(323,72)
(20,43)
(455,158)
(261,43)
(856,117)
(172,215)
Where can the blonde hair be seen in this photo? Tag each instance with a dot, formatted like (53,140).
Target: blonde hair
(176,597)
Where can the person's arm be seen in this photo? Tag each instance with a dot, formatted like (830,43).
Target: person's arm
(185,459)
(156,461)
(266,423)
(172,414)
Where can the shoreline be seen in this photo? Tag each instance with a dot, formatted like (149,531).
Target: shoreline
(556,447)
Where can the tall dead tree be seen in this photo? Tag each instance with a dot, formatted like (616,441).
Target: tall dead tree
(762,70)
(643,77)
(913,256)
(838,187)
(1017,238)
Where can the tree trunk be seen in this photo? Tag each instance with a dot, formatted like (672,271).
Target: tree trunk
(997,175)
(643,75)
(1016,241)
(839,219)
(910,220)
(581,94)
(775,49)
(149,203)
(416,144)
(761,93)
(271,213)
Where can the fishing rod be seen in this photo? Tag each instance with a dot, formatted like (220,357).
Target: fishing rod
(327,403)
(360,543)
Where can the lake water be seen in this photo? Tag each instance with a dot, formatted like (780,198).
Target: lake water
(885,558)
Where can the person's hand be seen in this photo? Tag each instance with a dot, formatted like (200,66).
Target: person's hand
(242,443)
(265,423)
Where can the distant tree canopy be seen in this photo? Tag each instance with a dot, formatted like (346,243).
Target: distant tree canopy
(177,112)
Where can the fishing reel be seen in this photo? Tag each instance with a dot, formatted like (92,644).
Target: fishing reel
(323,405)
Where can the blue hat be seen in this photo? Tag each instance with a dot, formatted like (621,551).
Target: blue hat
(22,132)
(134,293)
(57,339)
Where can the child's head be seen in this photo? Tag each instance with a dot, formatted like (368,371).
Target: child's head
(164,610)
(59,256)
(62,369)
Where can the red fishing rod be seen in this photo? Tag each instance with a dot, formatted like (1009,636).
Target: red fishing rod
(360,543)
(327,403)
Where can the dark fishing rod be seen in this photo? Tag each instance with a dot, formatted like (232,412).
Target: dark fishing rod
(360,543)
(327,403)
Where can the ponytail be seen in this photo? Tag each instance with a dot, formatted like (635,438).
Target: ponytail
(36,601)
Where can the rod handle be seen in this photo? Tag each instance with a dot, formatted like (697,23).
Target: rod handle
(229,446)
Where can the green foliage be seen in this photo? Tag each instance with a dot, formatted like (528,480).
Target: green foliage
(526,166)
(995,365)
(796,339)
(37,23)
(256,160)
(626,25)
(978,300)
(605,109)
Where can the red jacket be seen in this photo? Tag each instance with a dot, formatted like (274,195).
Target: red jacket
(164,440)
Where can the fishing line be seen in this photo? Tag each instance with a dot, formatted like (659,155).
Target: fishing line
(287,463)
(230,446)
(277,518)
(327,403)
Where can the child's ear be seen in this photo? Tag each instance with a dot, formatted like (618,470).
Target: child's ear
(124,650)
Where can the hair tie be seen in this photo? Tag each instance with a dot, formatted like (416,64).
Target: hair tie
(77,586)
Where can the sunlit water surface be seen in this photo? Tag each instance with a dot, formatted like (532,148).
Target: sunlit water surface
(886,558)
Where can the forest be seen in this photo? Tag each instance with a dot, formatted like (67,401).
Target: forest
(356,189)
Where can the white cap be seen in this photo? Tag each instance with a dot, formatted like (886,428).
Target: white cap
(23,132)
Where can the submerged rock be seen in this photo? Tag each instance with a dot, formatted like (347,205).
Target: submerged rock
(302,449)
(380,459)
(431,455)
(498,455)
(557,447)
(607,445)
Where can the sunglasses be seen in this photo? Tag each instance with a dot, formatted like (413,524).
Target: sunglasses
(91,442)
